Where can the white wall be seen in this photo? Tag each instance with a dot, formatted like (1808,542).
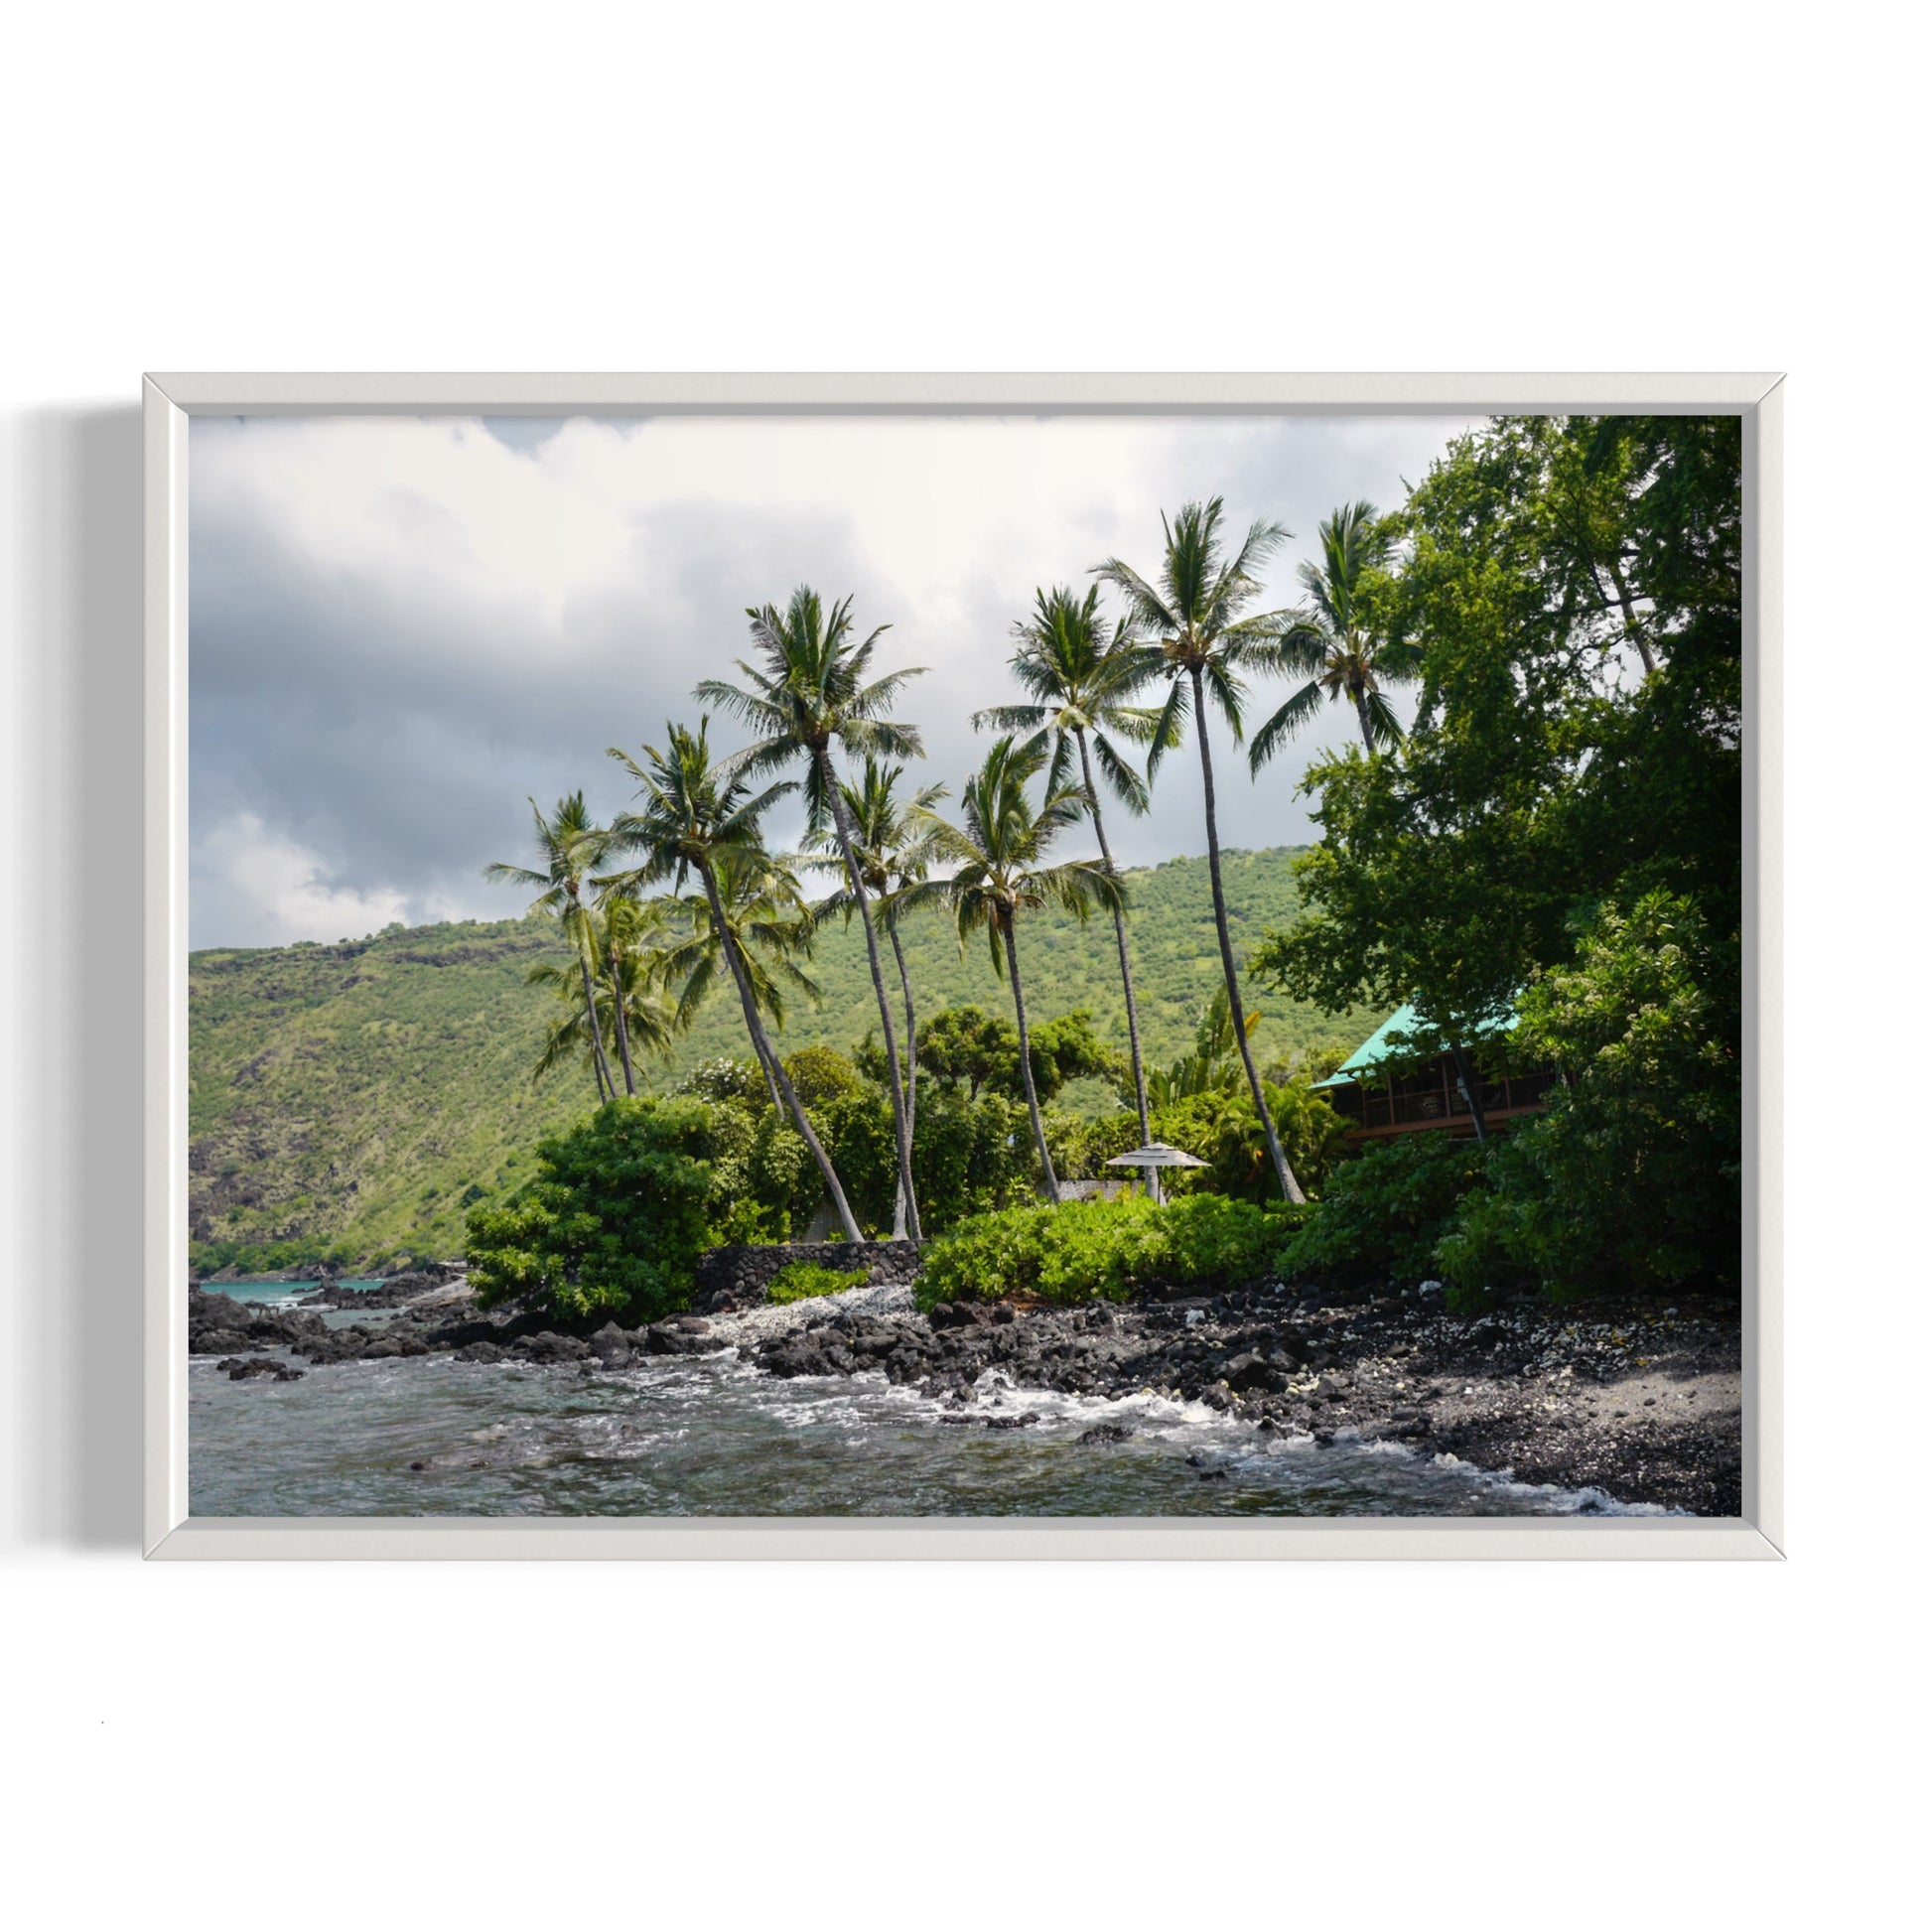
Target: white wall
(1006,186)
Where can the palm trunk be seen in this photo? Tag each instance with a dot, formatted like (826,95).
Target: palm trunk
(1466,1079)
(773,1066)
(597,1058)
(1361,717)
(911,1069)
(624,1028)
(1291,1192)
(901,1124)
(1632,628)
(1120,941)
(1050,1183)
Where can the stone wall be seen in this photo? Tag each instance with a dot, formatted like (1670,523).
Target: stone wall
(743,1273)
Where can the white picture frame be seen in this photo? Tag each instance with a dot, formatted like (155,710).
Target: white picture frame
(169,1532)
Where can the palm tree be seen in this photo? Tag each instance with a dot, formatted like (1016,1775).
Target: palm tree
(769,927)
(1209,1067)
(811,692)
(1205,640)
(999,853)
(1332,644)
(626,993)
(1080,676)
(571,847)
(693,815)
(895,846)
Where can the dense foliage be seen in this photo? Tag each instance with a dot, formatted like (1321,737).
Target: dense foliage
(1560,832)
(616,1214)
(1384,1213)
(1105,1250)
(1632,1178)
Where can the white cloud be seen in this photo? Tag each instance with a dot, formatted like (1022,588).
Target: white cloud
(275,892)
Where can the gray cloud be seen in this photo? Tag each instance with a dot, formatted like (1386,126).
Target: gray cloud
(385,663)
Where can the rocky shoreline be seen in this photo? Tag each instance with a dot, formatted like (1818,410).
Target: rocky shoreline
(1639,1401)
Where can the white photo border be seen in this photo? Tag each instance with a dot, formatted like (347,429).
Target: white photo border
(169,1532)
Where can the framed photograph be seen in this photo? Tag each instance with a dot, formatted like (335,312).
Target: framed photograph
(956,966)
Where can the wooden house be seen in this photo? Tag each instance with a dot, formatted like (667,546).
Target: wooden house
(1382,1089)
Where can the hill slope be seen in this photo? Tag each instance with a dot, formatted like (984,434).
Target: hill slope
(364,1093)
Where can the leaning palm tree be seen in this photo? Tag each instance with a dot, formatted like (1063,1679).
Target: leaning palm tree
(570,847)
(812,691)
(1194,616)
(999,853)
(895,845)
(695,818)
(1081,675)
(769,927)
(1332,645)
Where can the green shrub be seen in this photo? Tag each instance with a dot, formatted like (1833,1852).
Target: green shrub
(1632,1178)
(1384,1211)
(805,1280)
(617,1213)
(1114,1250)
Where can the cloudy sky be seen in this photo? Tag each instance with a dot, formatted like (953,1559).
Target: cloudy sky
(402,628)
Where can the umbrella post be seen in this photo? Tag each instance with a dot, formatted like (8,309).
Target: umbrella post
(1151,1159)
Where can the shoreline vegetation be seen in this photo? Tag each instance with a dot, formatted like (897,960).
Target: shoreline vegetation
(1541,867)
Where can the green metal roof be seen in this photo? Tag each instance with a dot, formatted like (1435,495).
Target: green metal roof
(1390,1040)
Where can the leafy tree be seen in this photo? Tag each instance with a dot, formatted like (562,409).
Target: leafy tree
(616,1216)
(692,816)
(999,854)
(1334,645)
(570,847)
(1575,591)
(1633,1174)
(1195,615)
(1080,676)
(811,692)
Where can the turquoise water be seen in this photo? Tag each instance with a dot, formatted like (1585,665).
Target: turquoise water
(273,1292)
(706,1436)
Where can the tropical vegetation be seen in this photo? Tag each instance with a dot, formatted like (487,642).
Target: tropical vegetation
(1543,861)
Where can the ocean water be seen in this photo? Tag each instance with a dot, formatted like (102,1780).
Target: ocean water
(707,1436)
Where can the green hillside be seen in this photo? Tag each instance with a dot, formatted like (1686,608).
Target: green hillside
(364,1093)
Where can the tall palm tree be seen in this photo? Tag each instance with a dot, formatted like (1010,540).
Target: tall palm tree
(693,815)
(1080,676)
(813,691)
(768,926)
(570,847)
(999,853)
(1195,618)
(1331,643)
(894,844)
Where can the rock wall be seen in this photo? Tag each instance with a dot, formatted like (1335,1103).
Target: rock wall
(743,1273)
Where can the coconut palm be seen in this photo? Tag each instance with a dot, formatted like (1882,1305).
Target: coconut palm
(628,996)
(1080,676)
(768,926)
(893,842)
(571,847)
(1211,1066)
(999,853)
(696,819)
(1195,618)
(1332,644)
(811,692)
